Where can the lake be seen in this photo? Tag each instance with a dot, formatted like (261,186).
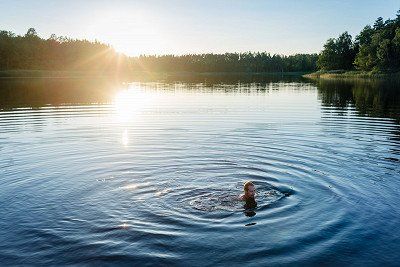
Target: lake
(147,173)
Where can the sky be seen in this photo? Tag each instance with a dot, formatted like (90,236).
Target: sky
(183,27)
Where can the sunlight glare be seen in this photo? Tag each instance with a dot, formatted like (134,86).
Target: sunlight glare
(125,138)
(131,102)
(129,32)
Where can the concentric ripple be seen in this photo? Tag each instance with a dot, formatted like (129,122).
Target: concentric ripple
(154,178)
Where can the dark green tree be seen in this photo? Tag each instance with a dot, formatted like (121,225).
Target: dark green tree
(375,48)
(379,46)
(338,54)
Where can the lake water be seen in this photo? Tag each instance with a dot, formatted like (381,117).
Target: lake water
(146,173)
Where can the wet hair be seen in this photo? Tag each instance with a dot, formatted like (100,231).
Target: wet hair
(247,185)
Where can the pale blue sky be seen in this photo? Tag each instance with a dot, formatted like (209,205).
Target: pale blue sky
(180,27)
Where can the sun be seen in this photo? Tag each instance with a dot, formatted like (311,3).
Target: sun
(129,33)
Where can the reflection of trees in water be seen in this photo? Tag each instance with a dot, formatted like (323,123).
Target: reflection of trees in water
(372,98)
(215,79)
(376,98)
(16,93)
(39,92)
(230,79)
(228,83)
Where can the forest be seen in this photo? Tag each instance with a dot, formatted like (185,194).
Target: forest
(31,52)
(376,48)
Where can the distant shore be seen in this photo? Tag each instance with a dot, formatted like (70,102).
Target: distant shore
(51,74)
(342,74)
(133,74)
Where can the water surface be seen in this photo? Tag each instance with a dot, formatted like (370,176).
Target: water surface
(147,173)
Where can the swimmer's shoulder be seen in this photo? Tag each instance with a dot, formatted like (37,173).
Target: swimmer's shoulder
(241,198)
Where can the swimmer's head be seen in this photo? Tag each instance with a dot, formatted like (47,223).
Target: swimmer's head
(249,189)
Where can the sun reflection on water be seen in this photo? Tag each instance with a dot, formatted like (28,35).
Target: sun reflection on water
(131,102)
(125,138)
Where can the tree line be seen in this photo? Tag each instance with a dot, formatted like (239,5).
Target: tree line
(228,62)
(30,52)
(376,48)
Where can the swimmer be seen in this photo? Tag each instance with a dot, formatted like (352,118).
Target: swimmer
(249,194)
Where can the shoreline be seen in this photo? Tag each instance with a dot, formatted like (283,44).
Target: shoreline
(52,74)
(63,74)
(341,74)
